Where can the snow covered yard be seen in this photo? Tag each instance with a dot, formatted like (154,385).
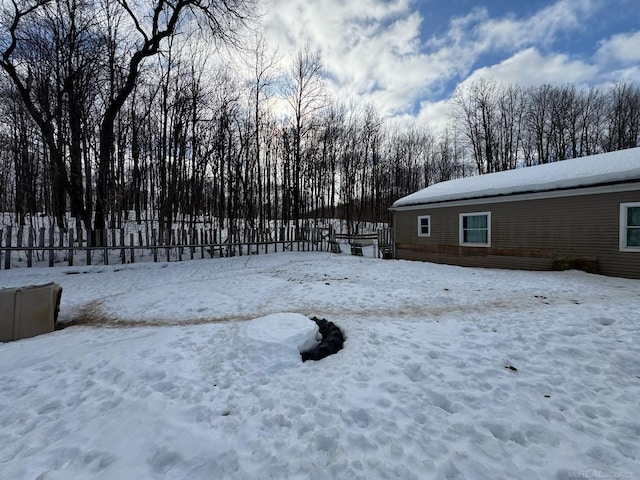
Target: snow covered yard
(447,372)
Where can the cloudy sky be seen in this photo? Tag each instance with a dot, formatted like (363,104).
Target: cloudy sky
(407,56)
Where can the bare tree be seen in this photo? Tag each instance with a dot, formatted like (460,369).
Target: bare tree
(623,117)
(538,122)
(449,157)
(477,113)
(508,137)
(307,96)
(29,60)
(22,172)
(144,31)
(591,123)
(264,69)
(153,26)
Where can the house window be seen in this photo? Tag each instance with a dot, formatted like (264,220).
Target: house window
(475,229)
(630,226)
(424,226)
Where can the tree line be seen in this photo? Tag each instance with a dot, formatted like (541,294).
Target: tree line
(177,112)
(505,126)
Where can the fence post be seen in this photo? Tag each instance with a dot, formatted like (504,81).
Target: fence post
(105,245)
(7,257)
(91,236)
(80,237)
(167,239)
(1,249)
(30,247)
(132,248)
(51,243)
(155,247)
(41,240)
(61,244)
(178,242)
(140,243)
(19,237)
(123,255)
(70,244)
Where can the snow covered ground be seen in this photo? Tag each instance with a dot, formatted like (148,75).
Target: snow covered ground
(192,370)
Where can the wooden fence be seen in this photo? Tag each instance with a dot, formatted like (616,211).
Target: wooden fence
(56,247)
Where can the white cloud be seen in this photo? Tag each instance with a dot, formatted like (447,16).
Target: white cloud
(373,52)
(476,33)
(528,67)
(623,49)
(542,28)
(370,48)
(618,58)
(435,115)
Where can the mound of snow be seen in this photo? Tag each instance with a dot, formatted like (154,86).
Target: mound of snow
(278,339)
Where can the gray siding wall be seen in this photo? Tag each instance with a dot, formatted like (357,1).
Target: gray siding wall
(526,234)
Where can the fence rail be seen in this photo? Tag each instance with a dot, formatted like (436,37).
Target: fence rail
(382,240)
(57,247)
(356,237)
(172,245)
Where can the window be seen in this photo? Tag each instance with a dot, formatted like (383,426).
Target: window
(630,226)
(475,229)
(424,226)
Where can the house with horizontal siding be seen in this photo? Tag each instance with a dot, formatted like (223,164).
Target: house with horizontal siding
(579,213)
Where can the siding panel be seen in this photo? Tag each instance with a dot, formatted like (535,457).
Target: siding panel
(526,234)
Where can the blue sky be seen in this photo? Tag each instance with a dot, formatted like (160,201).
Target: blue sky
(408,56)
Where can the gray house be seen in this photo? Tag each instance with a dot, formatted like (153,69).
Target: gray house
(578,213)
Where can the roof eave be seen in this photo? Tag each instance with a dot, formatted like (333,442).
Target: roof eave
(504,197)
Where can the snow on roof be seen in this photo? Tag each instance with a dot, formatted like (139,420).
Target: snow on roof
(613,167)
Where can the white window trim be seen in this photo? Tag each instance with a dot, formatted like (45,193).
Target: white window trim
(420,234)
(461,230)
(623,227)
